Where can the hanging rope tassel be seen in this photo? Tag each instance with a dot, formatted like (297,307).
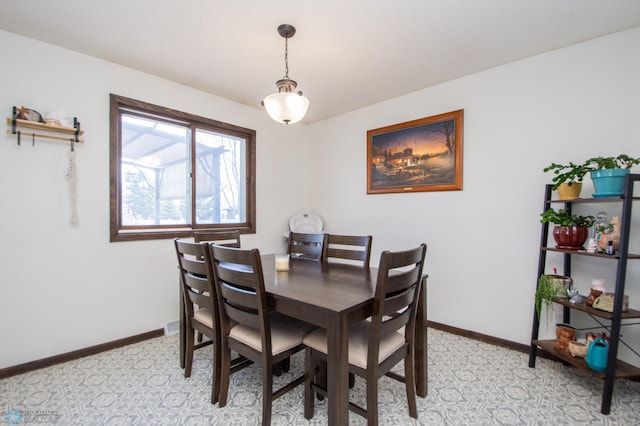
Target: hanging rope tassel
(73,182)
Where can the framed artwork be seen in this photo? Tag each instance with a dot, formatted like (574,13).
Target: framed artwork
(416,156)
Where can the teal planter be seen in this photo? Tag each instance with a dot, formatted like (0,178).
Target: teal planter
(608,182)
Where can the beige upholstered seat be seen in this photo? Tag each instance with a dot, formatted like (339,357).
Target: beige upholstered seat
(286,334)
(204,316)
(248,326)
(358,343)
(376,346)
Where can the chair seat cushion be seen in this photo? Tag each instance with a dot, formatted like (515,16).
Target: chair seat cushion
(286,333)
(204,316)
(358,343)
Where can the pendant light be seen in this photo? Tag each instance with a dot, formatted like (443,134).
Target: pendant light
(286,106)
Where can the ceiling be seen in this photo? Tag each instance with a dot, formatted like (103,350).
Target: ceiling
(345,54)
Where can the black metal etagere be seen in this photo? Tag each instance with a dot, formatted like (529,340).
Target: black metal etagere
(616,369)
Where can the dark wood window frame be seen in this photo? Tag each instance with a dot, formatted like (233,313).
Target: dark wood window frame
(120,233)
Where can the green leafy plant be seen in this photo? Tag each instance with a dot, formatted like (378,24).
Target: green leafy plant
(564,218)
(568,174)
(622,161)
(548,289)
(603,228)
(572,173)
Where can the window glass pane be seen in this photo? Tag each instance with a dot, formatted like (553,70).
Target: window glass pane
(220,177)
(173,173)
(154,164)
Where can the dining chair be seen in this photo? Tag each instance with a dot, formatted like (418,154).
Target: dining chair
(225,238)
(232,239)
(249,325)
(379,344)
(348,248)
(351,249)
(200,305)
(304,245)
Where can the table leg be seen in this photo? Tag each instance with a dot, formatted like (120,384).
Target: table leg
(338,371)
(421,363)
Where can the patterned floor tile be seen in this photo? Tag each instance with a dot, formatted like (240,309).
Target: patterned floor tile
(470,383)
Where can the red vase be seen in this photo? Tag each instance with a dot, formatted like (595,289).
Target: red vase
(570,237)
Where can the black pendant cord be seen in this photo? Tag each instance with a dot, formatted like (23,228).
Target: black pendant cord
(286,58)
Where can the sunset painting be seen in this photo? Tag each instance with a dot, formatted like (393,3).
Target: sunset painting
(420,155)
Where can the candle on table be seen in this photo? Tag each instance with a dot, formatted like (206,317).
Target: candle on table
(282,262)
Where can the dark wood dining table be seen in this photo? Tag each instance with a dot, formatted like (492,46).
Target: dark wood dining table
(334,296)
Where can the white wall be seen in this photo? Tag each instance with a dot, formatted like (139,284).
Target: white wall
(65,287)
(566,105)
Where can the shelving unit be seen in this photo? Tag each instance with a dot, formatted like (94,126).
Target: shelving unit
(51,131)
(616,369)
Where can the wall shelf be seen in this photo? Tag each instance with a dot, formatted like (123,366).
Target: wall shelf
(51,131)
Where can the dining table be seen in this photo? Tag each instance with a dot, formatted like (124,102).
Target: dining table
(334,296)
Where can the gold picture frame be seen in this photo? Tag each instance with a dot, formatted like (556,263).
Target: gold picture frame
(416,156)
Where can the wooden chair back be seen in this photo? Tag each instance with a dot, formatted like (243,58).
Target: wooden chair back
(240,281)
(396,299)
(224,238)
(194,263)
(304,245)
(200,304)
(351,248)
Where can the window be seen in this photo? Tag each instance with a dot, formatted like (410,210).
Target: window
(173,173)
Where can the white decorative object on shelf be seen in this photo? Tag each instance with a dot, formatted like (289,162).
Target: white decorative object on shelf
(60,117)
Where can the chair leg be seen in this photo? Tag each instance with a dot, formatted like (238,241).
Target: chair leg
(286,364)
(372,400)
(188,356)
(215,377)
(309,373)
(321,376)
(267,394)
(282,366)
(410,384)
(225,373)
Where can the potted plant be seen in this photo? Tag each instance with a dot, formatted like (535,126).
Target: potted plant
(622,161)
(570,230)
(568,179)
(608,173)
(549,287)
